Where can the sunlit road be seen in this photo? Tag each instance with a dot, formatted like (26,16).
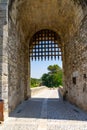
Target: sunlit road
(46,111)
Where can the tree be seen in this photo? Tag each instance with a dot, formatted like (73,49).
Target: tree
(45,79)
(53,68)
(54,77)
(35,82)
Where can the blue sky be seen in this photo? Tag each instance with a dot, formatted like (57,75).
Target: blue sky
(40,67)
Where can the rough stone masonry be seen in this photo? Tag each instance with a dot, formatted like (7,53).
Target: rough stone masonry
(19,21)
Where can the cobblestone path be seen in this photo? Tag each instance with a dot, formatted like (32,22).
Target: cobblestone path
(46,111)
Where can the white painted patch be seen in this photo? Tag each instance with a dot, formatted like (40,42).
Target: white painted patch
(75,74)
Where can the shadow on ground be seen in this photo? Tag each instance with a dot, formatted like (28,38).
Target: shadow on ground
(57,109)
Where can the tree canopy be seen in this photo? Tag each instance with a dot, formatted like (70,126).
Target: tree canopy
(53,68)
(54,77)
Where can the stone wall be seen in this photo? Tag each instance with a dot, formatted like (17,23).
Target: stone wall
(38,90)
(31,16)
(25,19)
(18,69)
(3,53)
(75,67)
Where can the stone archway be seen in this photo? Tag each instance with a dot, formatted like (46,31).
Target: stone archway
(20,21)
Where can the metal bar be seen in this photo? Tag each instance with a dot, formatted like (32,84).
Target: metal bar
(46,55)
(38,49)
(35,47)
(44,44)
(41,46)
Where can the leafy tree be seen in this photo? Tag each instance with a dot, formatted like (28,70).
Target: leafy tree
(45,79)
(54,77)
(35,82)
(53,68)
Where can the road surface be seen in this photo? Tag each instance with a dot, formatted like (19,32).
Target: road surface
(46,111)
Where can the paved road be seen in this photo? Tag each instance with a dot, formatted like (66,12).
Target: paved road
(46,111)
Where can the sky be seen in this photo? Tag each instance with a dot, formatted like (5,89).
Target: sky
(38,68)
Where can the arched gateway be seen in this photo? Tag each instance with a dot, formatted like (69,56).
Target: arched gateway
(22,24)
